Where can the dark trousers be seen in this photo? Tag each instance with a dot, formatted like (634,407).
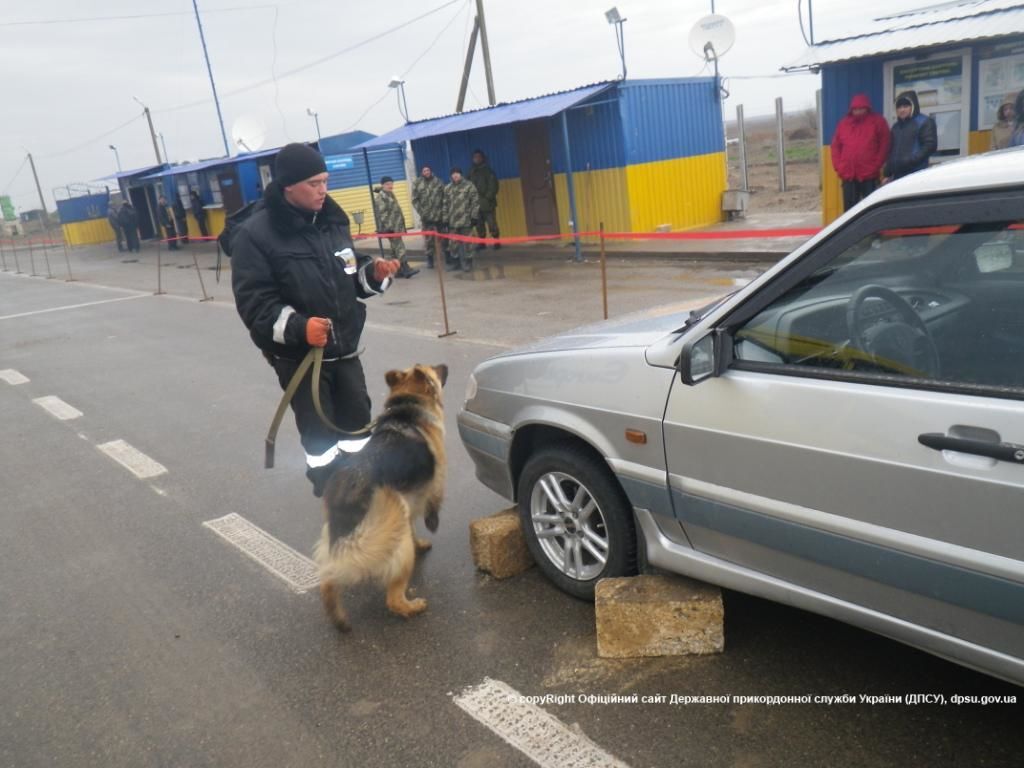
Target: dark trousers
(119,234)
(201,221)
(855,191)
(488,220)
(132,237)
(172,243)
(344,399)
(182,226)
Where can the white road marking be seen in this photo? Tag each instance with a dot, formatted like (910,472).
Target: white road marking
(297,570)
(74,306)
(13,377)
(132,459)
(540,736)
(57,407)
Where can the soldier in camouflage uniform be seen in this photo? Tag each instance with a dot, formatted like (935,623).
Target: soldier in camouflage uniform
(461,207)
(390,219)
(428,200)
(486,183)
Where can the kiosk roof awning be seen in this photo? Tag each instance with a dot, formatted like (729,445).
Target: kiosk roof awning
(513,112)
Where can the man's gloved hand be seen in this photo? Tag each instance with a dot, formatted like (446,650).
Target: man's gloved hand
(317,329)
(383,268)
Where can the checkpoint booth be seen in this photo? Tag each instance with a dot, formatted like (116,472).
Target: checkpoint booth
(962,59)
(637,155)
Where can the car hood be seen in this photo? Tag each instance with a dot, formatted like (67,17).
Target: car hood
(639,329)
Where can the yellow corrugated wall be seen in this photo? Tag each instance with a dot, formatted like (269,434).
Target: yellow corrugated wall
(511,213)
(683,193)
(354,199)
(831,189)
(978,142)
(600,196)
(91,232)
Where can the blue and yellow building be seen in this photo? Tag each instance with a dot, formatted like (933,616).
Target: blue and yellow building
(962,59)
(636,155)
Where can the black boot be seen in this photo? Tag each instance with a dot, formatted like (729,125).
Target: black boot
(406,271)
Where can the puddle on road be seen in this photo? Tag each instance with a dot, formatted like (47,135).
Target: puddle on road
(575,661)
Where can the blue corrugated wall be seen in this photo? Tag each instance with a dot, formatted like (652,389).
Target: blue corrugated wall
(666,119)
(840,82)
(595,136)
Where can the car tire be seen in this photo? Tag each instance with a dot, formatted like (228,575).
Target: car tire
(574,515)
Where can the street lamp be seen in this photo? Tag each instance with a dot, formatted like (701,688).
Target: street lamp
(167,158)
(615,18)
(399,84)
(116,157)
(316,119)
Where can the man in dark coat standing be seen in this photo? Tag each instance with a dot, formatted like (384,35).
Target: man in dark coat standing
(180,218)
(298,284)
(860,147)
(914,139)
(486,182)
(115,224)
(166,218)
(129,221)
(199,212)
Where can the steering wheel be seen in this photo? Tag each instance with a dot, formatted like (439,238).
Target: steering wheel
(905,345)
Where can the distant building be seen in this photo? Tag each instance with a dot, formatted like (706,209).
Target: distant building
(963,59)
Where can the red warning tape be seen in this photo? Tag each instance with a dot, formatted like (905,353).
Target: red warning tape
(740,234)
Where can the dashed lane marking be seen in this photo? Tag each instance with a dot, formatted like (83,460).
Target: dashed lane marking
(540,736)
(13,377)
(132,459)
(74,306)
(298,571)
(57,408)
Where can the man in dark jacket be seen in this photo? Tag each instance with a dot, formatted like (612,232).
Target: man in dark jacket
(199,212)
(486,182)
(914,138)
(130,224)
(115,225)
(297,283)
(860,147)
(166,217)
(180,218)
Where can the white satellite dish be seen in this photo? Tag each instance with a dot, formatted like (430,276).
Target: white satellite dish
(248,133)
(712,37)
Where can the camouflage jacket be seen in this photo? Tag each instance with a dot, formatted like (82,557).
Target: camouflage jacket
(486,183)
(428,198)
(389,213)
(461,204)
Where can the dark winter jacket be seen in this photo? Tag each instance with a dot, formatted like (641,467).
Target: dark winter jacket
(288,266)
(914,141)
(164,215)
(860,145)
(486,182)
(128,218)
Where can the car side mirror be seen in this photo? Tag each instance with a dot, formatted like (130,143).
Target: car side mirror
(699,358)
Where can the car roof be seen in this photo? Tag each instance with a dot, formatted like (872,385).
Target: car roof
(1003,168)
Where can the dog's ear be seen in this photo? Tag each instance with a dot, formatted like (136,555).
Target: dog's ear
(442,373)
(393,377)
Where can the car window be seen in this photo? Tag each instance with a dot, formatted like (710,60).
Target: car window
(936,304)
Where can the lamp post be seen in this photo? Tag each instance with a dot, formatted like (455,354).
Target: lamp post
(116,157)
(167,158)
(615,19)
(316,119)
(403,106)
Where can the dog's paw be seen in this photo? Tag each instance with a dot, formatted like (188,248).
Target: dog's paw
(408,608)
(422,545)
(431,520)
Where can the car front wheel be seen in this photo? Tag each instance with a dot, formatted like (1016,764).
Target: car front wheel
(577,520)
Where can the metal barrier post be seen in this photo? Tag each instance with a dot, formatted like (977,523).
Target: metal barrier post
(604,276)
(199,274)
(217,243)
(46,253)
(2,257)
(439,265)
(17,265)
(32,259)
(67,257)
(159,272)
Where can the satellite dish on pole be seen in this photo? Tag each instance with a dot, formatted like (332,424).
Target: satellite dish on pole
(712,37)
(248,133)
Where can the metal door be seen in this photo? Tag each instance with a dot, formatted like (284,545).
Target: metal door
(537,179)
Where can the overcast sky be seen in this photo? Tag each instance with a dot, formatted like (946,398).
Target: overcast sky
(69,84)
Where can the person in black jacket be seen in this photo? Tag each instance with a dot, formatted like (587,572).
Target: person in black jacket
(914,139)
(130,224)
(297,283)
(166,217)
(180,218)
(199,212)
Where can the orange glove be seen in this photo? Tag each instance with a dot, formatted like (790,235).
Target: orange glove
(384,268)
(317,329)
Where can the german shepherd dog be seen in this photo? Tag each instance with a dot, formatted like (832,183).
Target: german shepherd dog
(372,503)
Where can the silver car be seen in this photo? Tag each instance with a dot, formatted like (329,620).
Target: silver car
(845,434)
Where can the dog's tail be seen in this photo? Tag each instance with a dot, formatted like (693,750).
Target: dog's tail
(375,550)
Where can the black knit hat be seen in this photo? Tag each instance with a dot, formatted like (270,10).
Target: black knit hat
(385,179)
(904,101)
(297,162)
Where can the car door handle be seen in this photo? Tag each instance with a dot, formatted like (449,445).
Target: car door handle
(998,451)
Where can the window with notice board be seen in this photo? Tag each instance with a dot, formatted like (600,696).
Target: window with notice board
(1000,78)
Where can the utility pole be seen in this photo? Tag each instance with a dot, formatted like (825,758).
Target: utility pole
(479,30)
(39,189)
(152,132)
(213,86)
(482,23)
(167,158)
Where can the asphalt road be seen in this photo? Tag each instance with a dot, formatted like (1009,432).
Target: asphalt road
(132,635)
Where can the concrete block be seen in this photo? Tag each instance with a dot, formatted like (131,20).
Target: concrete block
(498,545)
(658,616)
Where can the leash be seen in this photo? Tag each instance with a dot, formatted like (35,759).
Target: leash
(314,358)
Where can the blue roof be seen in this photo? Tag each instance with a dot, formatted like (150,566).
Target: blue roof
(516,111)
(200,165)
(126,174)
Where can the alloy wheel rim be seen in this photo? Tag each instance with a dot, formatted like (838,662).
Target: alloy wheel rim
(569,526)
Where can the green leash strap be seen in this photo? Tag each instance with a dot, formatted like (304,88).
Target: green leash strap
(314,358)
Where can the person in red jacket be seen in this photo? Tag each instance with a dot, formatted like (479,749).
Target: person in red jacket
(860,147)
